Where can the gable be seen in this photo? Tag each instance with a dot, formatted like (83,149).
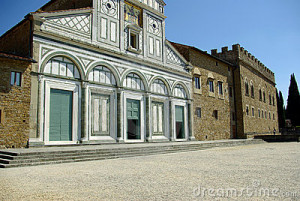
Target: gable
(173,57)
(79,22)
(71,23)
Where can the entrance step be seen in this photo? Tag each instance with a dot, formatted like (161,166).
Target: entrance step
(54,155)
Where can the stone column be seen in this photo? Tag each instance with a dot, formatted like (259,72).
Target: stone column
(39,83)
(147,113)
(120,113)
(191,121)
(84,109)
(171,119)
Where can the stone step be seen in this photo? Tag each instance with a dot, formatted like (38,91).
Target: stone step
(11,165)
(4,161)
(8,153)
(9,157)
(33,159)
(13,159)
(101,151)
(37,161)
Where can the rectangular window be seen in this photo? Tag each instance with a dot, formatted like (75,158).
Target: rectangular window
(197,82)
(198,112)
(0,116)
(216,114)
(211,86)
(15,78)
(179,122)
(266,115)
(253,114)
(273,116)
(220,84)
(252,91)
(258,113)
(260,95)
(269,115)
(133,41)
(262,114)
(246,89)
(247,110)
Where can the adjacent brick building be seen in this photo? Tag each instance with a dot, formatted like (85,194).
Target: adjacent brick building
(234,94)
(213,97)
(15,84)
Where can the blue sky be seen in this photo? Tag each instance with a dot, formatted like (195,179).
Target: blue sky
(268,29)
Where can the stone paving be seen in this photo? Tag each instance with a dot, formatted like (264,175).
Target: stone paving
(252,172)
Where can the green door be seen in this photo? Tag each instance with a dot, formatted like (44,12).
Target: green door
(60,115)
(133,120)
(179,113)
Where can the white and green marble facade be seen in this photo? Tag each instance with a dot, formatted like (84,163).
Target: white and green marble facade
(88,52)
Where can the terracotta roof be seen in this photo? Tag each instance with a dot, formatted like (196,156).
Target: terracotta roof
(57,11)
(15,57)
(183,50)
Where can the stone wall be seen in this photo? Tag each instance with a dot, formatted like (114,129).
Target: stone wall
(208,127)
(14,104)
(249,107)
(255,123)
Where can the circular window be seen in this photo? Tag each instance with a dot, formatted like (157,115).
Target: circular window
(154,26)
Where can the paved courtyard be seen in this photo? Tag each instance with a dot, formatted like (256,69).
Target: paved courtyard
(253,172)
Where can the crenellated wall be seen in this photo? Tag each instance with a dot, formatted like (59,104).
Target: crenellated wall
(240,54)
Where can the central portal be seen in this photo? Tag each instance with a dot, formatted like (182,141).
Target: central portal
(133,120)
(179,112)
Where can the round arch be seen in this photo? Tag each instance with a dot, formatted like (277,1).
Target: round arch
(163,80)
(143,78)
(66,55)
(106,65)
(184,87)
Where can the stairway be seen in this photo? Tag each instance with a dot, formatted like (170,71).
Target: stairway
(54,155)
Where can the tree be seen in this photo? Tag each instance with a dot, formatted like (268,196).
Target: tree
(293,103)
(280,109)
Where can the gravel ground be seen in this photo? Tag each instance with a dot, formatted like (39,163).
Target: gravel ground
(253,172)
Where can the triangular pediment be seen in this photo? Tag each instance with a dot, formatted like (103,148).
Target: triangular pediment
(173,56)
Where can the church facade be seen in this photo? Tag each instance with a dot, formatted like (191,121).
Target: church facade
(105,73)
(102,71)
